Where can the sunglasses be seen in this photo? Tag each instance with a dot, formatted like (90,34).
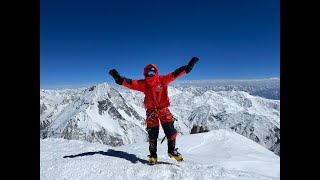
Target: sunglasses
(151,72)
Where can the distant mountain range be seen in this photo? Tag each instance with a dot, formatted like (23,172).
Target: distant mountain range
(116,116)
(267,88)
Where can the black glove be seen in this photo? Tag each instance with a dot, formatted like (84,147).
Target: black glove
(193,61)
(114,73)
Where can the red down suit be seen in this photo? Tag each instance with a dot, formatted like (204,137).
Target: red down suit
(156,99)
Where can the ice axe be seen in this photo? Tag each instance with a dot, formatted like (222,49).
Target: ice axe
(174,119)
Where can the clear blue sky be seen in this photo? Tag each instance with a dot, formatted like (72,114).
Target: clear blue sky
(81,40)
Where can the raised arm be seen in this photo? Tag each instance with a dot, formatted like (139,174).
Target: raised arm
(138,85)
(168,78)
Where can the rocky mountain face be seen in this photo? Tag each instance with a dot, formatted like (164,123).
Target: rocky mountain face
(95,114)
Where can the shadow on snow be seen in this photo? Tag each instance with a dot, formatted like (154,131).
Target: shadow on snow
(120,154)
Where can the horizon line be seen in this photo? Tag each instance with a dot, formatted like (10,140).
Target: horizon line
(84,85)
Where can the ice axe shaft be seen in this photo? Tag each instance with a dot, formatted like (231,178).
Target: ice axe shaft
(174,119)
(163,139)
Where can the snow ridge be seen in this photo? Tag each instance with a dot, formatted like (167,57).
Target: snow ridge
(219,154)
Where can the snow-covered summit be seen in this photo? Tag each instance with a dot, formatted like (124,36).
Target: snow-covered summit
(219,154)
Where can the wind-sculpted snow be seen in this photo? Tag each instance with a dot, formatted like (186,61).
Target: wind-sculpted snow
(218,154)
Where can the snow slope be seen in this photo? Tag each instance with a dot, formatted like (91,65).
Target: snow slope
(52,102)
(98,114)
(219,154)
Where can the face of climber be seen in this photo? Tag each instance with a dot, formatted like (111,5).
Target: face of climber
(151,71)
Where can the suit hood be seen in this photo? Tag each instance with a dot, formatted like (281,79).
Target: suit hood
(145,70)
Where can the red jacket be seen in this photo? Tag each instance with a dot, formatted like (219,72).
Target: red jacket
(155,88)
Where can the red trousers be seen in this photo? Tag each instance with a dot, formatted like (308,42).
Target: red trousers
(165,117)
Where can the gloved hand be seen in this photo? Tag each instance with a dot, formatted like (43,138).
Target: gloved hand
(192,62)
(114,73)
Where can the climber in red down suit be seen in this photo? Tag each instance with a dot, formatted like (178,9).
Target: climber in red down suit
(156,101)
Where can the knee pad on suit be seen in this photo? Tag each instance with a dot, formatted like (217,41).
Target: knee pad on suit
(169,130)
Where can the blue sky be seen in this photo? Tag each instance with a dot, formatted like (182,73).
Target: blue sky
(80,41)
